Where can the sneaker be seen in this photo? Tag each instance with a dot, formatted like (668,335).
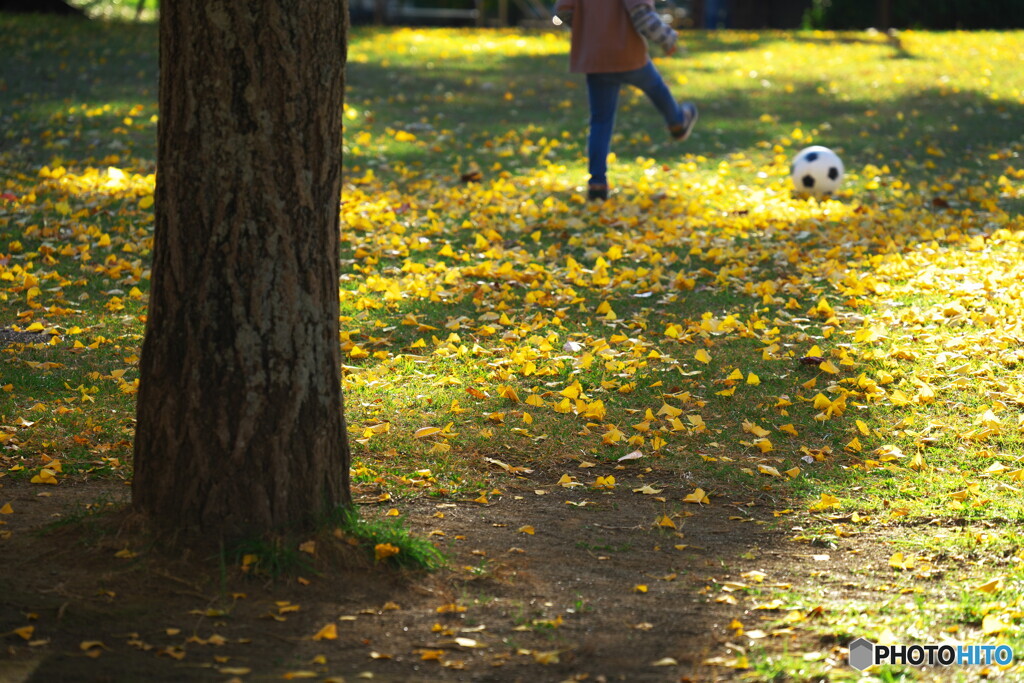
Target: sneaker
(597,192)
(682,130)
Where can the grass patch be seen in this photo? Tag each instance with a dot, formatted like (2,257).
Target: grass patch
(385,541)
(84,518)
(274,558)
(389,541)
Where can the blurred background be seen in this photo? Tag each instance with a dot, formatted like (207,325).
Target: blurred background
(713,14)
(683,14)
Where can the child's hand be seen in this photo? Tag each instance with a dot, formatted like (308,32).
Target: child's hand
(671,43)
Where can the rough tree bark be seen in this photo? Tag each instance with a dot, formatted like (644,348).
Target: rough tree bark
(240,422)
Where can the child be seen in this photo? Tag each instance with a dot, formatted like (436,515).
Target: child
(607,46)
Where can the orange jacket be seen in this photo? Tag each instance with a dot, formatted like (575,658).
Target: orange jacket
(603,37)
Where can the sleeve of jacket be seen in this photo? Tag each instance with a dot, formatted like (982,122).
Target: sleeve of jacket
(649,24)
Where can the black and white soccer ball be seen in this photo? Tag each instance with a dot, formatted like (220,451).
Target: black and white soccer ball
(816,170)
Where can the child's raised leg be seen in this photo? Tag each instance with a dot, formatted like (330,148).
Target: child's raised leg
(679,117)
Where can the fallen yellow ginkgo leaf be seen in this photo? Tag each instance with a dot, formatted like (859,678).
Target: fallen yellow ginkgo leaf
(828,367)
(665,521)
(45,476)
(698,496)
(424,432)
(898,561)
(992,624)
(993,586)
(546,658)
(383,551)
(827,501)
(328,632)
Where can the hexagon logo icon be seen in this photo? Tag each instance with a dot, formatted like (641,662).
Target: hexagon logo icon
(862,654)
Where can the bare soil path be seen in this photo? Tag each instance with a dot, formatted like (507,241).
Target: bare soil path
(545,583)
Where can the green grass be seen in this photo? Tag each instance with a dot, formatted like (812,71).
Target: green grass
(412,552)
(273,558)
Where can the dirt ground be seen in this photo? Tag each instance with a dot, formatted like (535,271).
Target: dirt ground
(545,583)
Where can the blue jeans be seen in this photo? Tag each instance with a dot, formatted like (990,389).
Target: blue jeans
(603,95)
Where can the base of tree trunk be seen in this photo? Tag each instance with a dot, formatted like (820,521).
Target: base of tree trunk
(40,7)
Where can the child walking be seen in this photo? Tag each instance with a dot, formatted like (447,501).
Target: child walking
(608,46)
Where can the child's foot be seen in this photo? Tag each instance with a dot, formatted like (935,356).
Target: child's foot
(682,130)
(597,192)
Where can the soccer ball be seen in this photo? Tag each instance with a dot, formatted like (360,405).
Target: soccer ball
(816,170)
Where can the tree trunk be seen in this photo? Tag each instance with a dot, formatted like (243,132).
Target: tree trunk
(241,427)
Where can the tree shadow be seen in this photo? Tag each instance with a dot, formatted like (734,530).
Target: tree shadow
(891,39)
(71,84)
